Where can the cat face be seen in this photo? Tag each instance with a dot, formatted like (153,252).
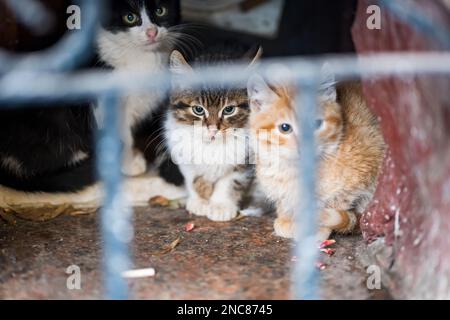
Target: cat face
(274,119)
(216,109)
(138,26)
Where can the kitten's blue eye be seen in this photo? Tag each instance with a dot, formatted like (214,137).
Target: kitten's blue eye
(229,110)
(319,123)
(285,128)
(198,110)
(161,11)
(130,18)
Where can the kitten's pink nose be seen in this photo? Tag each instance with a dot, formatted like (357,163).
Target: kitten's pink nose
(212,132)
(152,33)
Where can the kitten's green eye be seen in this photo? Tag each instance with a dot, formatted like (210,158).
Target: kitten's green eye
(161,11)
(130,18)
(285,128)
(198,110)
(227,111)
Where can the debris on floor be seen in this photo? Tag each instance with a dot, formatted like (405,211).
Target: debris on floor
(44,212)
(328,251)
(240,259)
(168,248)
(327,243)
(189,227)
(321,266)
(139,273)
(162,202)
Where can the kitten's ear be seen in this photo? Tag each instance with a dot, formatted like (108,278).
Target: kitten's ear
(327,89)
(260,95)
(256,57)
(178,64)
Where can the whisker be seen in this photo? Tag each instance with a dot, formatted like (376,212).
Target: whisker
(153,140)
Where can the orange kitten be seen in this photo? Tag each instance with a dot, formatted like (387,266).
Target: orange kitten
(350,150)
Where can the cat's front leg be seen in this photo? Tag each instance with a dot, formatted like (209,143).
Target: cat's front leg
(218,201)
(196,205)
(200,191)
(134,163)
(284,226)
(224,202)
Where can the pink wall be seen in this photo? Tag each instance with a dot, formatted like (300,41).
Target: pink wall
(414,188)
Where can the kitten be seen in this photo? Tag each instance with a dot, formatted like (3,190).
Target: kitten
(59,138)
(138,37)
(206,131)
(350,150)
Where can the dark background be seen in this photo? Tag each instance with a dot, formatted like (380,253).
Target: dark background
(307,28)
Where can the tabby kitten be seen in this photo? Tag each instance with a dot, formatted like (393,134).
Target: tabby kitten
(206,131)
(350,150)
(138,36)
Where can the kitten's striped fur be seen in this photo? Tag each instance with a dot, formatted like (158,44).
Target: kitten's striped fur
(217,189)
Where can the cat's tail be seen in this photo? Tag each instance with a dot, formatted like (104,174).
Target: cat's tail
(137,190)
(89,197)
(257,203)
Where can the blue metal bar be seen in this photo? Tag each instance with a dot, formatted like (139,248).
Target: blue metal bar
(41,86)
(32,14)
(117,230)
(414,16)
(305,275)
(68,53)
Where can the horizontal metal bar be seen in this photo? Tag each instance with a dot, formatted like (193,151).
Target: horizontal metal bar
(34,86)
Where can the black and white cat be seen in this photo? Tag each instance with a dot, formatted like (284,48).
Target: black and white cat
(47,148)
(47,152)
(137,36)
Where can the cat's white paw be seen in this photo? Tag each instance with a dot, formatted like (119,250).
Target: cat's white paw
(222,211)
(134,164)
(285,227)
(197,206)
(213,211)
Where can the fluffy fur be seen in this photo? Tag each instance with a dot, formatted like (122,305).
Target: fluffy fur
(350,150)
(47,148)
(47,153)
(206,131)
(144,44)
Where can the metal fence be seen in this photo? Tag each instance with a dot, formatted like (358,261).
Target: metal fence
(45,77)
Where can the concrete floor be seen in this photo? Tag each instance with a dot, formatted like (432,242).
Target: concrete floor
(241,259)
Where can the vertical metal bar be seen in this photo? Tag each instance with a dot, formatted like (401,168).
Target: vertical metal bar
(68,53)
(306,280)
(32,14)
(117,230)
(414,15)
